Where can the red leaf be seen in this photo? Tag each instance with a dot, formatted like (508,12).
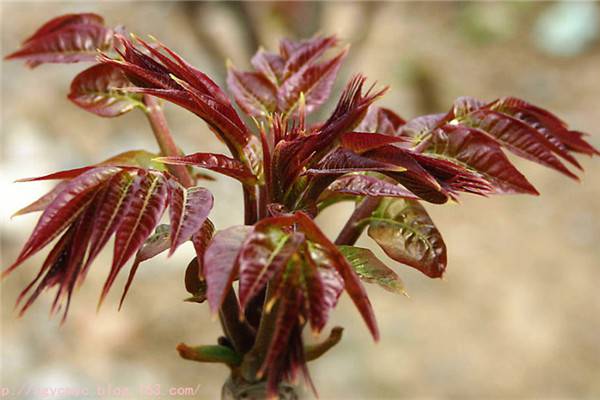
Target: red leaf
(43,201)
(201,240)
(381,120)
(66,174)
(70,44)
(214,162)
(365,185)
(188,209)
(99,90)
(351,282)
(173,79)
(518,137)
(465,105)
(419,128)
(220,265)
(58,23)
(153,246)
(555,130)
(321,285)
(407,234)
(63,210)
(113,202)
(134,159)
(474,149)
(301,55)
(270,65)
(314,82)
(147,206)
(264,252)
(360,142)
(55,261)
(254,93)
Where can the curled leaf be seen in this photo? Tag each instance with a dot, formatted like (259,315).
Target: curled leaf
(371,269)
(188,209)
(67,39)
(407,234)
(100,90)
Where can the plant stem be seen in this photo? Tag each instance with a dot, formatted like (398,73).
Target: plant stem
(239,332)
(250,205)
(254,358)
(353,229)
(165,141)
(315,351)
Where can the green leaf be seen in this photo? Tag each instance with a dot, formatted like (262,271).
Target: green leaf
(370,269)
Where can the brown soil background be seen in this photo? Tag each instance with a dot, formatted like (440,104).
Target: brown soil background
(517,315)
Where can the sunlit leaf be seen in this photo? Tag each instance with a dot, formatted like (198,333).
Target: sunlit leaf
(99,90)
(372,270)
(188,209)
(407,234)
(254,93)
(149,200)
(220,262)
(68,39)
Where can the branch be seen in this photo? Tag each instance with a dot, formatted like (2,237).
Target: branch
(353,229)
(209,354)
(165,141)
(317,350)
(239,332)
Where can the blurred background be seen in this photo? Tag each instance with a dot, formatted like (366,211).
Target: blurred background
(517,315)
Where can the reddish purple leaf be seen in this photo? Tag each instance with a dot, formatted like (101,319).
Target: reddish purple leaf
(301,55)
(56,24)
(266,250)
(43,201)
(477,151)
(188,209)
(201,239)
(366,185)
(555,130)
(314,83)
(220,262)
(351,282)
(145,210)
(270,65)
(360,142)
(99,90)
(518,137)
(254,93)
(69,44)
(173,79)
(407,234)
(113,202)
(158,242)
(214,162)
(465,105)
(63,210)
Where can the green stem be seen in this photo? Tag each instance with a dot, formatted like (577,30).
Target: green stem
(210,354)
(165,141)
